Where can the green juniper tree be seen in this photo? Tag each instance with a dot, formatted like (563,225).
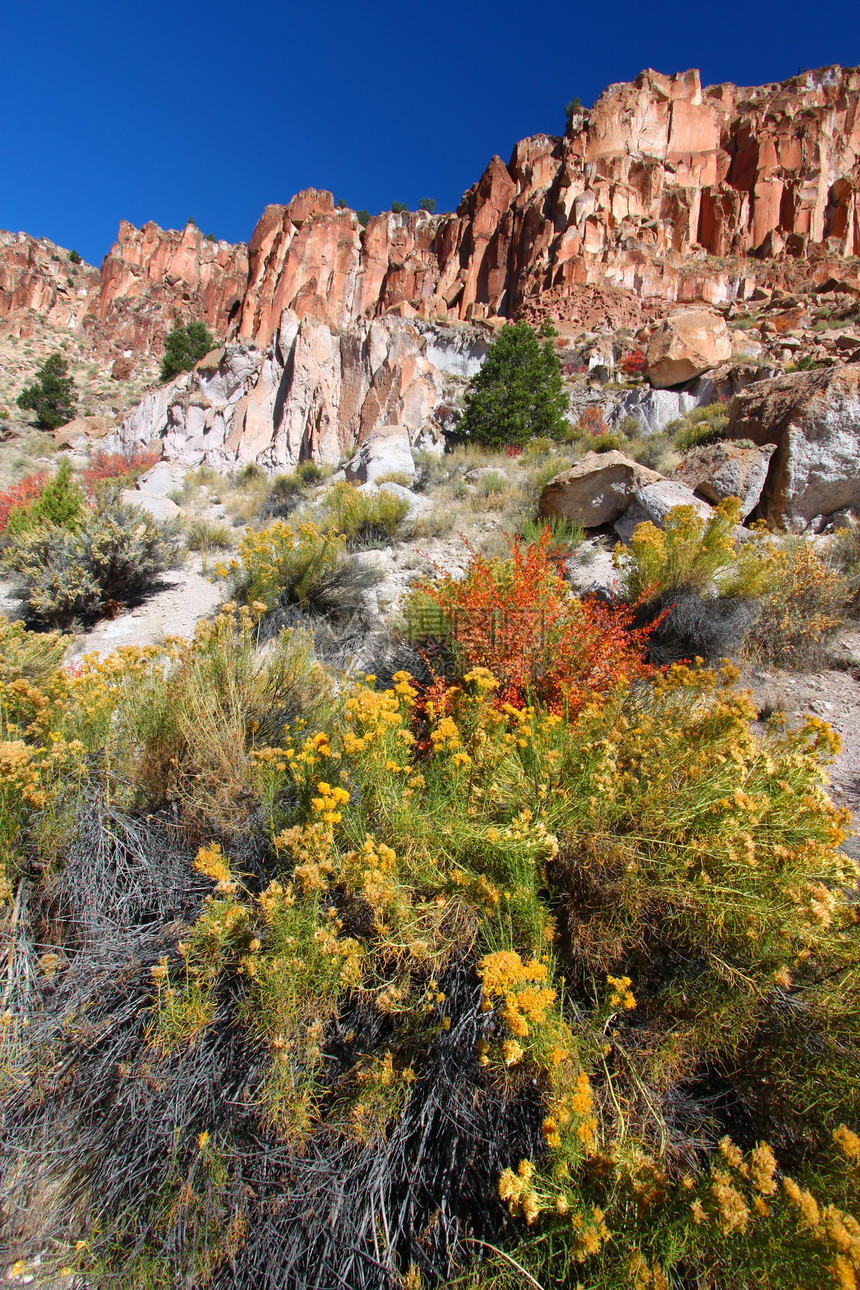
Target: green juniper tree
(52,397)
(184,347)
(518,394)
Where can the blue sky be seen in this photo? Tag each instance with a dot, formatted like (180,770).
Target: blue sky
(165,111)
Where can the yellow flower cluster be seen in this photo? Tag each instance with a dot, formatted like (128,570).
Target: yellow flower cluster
(326,805)
(622,995)
(210,861)
(504,975)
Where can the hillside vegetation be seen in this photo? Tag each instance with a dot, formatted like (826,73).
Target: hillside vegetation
(537,968)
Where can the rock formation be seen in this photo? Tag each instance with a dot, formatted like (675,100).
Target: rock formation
(663,192)
(813,418)
(314,393)
(40,286)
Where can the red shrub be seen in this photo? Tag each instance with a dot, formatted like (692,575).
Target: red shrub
(520,619)
(634,363)
(26,490)
(513,450)
(592,422)
(114,465)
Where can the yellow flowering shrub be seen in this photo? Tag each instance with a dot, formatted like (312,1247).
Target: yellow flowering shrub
(592,944)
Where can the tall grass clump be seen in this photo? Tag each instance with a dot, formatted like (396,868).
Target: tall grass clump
(364,519)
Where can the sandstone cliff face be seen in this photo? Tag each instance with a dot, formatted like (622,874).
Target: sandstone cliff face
(663,193)
(663,190)
(152,278)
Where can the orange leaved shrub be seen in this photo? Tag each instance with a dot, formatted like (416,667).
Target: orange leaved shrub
(520,619)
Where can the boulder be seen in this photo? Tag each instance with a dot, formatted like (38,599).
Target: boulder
(812,419)
(160,508)
(720,470)
(596,490)
(417,504)
(654,502)
(385,452)
(685,345)
(83,429)
(591,571)
(161,479)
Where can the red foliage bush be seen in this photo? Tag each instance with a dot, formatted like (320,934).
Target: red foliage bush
(513,450)
(26,490)
(592,422)
(114,465)
(520,619)
(634,363)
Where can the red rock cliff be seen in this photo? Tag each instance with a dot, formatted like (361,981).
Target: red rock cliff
(662,190)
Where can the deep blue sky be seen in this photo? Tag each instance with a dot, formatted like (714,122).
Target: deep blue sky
(168,110)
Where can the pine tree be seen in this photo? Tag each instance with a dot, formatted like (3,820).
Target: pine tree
(518,394)
(52,397)
(184,347)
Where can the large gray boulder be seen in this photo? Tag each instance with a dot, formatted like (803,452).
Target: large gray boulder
(719,470)
(596,490)
(813,421)
(385,452)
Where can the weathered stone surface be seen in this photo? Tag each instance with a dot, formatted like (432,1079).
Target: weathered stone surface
(721,470)
(634,208)
(596,490)
(813,419)
(654,502)
(685,345)
(160,508)
(385,451)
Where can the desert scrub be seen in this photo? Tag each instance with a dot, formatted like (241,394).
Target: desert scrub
(803,608)
(633,910)
(363,519)
(692,552)
(796,592)
(112,556)
(701,426)
(305,566)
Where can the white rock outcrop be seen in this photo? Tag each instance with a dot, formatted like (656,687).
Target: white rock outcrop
(315,393)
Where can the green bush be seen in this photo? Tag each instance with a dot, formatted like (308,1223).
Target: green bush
(564,534)
(74,258)
(112,557)
(517,395)
(701,426)
(59,503)
(428,204)
(363,217)
(52,397)
(364,519)
(184,347)
(310,473)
